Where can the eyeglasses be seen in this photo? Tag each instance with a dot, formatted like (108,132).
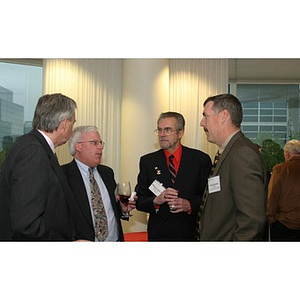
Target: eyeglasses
(95,143)
(166,131)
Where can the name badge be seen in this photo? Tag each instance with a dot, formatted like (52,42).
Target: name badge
(214,184)
(156,188)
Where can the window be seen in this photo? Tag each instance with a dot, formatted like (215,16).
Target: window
(20,89)
(271,111)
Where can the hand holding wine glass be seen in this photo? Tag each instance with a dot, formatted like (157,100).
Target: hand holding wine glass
(124,193)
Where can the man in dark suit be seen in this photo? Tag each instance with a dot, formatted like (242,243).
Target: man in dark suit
(173,212)
(283,209)
(86,146)
(33,188)
(234,205)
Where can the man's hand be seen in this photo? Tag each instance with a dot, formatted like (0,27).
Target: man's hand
(165,196)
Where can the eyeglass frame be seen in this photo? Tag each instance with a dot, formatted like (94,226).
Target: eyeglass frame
(167,131)
(95,143)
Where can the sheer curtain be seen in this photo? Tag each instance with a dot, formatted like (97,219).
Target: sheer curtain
(191,82)
(113,93)
(95,85)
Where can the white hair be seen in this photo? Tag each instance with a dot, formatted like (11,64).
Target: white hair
(293,147)
(76,136)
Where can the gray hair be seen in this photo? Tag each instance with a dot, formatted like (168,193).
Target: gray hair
(51,109)
(231,104)
(76,136)
(170,114)
(293,147)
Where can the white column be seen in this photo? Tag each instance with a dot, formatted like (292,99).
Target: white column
(145,94)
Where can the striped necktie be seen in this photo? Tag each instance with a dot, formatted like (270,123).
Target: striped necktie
(172,168)
(100,218)
(217,157)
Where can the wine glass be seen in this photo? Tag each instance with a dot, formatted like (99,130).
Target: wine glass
(124,192)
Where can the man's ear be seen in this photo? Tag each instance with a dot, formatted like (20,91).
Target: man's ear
(224,115)
(62,125)
(77,147)
(180,134)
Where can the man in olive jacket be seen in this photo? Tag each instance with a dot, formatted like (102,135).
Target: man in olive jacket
(234,205)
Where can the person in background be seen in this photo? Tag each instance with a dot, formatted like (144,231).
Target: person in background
(86,146)
(234,205)
(173,212)
(283,209)
(34,191)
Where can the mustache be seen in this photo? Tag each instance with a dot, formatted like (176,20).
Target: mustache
(205,129)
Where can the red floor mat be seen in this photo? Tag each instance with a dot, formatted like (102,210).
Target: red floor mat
(136,236)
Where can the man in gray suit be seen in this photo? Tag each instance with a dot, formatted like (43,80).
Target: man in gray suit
(234,205)
(34,191)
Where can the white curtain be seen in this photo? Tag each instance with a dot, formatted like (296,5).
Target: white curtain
(149,87)
(95,85)
(192,81)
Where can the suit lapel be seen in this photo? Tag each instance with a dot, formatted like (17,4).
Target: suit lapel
(76,180)
(227,151)
(219,164)
(185,166)
(162,172)
(161,169)
(110,188)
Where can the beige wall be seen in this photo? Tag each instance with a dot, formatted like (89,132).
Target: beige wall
(145,94)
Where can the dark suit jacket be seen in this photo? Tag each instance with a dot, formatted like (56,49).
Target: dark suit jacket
(190,181)
(34,193)
(237,212)
(81,209)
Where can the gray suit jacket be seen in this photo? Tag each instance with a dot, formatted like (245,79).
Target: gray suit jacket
(238,211)
(34,193)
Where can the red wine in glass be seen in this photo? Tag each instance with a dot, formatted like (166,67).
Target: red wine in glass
(124,199)
(124,192)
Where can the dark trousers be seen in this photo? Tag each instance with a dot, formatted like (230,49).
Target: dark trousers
(280,233)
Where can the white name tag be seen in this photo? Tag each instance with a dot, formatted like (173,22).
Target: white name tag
(156,188)
(214,184)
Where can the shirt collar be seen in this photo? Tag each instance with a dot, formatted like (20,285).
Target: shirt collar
(177,153)
(50,143)
(82,167)
(227,141)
